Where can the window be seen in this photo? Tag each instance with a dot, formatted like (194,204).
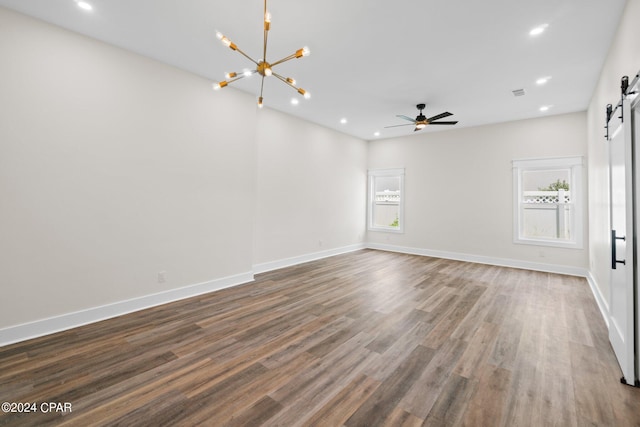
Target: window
(548,201)
(386,198)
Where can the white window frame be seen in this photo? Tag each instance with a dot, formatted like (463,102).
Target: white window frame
(372,175)
(575,165)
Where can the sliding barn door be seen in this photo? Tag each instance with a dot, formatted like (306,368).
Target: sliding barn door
(635,125)
(622,285)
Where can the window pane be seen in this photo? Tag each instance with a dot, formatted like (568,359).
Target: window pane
(547,202)
(544,196)
(545,179)
(386,209)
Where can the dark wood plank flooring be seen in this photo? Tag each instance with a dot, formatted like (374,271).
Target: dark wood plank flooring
(368,338)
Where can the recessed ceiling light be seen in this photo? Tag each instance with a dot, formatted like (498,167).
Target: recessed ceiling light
(542,80)
(538,30)
(343,121)
(545,108)
(84,5)
(376,134)
(294,101)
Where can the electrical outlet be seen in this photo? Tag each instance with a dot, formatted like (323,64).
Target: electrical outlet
(162,276)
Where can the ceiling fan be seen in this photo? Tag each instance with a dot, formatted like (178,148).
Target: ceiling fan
(421,121)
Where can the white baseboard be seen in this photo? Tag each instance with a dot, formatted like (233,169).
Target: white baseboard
(288,262)
(480,259)
(597,294)
(67,321)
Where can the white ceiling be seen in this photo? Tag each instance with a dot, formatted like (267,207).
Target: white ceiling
(370,59)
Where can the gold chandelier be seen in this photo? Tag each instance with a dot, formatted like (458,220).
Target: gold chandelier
(264,68)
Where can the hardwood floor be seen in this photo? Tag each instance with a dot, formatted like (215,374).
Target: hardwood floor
(363,339)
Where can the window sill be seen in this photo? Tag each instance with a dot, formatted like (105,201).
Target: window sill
(387,229)
(549,243)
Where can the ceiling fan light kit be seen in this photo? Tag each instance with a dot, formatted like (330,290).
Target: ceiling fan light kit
(421,121)
(264,68)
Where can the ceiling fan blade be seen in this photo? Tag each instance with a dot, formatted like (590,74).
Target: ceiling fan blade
(443,123)
(417,129)
(395,126)
(439,116)
(406,118)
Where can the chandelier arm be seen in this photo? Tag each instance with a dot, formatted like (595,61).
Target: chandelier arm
(237,49)
(284,80)
(264,50)
(266,33)
(285,59)
(224,83)
(261,86)
(291,83)
(235,79)
(244,73)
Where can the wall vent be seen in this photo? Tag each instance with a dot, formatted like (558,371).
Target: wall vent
(518,92)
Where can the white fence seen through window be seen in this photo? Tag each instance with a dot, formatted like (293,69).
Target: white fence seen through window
(547,214)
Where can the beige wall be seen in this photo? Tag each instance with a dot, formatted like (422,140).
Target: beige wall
(458,185)
(311,188)
(623,59)
(114,167)
(111,166)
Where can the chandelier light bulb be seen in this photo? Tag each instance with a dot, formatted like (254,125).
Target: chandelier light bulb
(267,71)
(302,52)
(267,21)
(230,75)
(223,39)
(304,93)
(291,81)
(247,73)
(260,102)
(220,85)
